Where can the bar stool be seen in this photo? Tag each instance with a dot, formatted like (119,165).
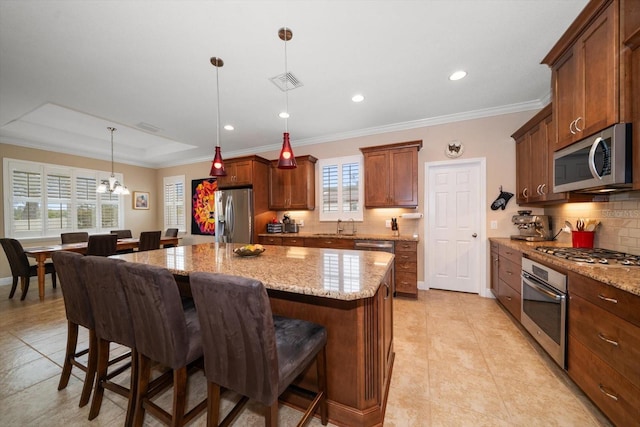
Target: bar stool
(165,333)
(102,244)
(113,323)
(78,310)
(252,352)
(149,240)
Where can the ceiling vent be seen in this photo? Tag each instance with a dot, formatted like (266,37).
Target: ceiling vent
(286,82)
(148,127)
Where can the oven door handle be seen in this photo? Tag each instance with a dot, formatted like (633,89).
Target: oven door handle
(534,283)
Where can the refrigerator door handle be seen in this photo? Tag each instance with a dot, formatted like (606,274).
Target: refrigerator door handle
(230,216)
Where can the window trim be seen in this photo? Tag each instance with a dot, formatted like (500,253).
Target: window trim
(45,169)
(340,214)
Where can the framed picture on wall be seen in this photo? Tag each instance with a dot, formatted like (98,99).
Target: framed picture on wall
(203,221)
(140,200)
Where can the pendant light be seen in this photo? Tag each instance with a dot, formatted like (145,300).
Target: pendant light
(217,166)
(286,160)
(112,185)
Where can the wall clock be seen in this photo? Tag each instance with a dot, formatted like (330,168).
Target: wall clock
(454,149)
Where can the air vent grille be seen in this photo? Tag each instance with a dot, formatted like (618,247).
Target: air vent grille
(286,82)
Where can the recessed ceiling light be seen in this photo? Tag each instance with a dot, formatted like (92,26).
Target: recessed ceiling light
(458,75)
(228,127)
(357,98)
(284,115)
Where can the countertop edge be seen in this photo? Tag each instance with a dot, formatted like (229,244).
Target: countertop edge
(309,235)
(623,278)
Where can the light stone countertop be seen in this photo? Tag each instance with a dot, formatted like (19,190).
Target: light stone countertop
(357,236)
(332,273)
(618,276)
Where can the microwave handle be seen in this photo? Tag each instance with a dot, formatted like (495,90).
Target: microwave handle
(592,157)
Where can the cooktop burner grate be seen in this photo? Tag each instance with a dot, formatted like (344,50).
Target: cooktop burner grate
(592,256)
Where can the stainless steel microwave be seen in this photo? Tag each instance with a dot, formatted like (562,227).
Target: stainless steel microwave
(599,163)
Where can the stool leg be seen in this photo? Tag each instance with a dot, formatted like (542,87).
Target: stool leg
(271,415)
(72,341)
(213,404)
(321,362)
(179,396)
(101,375)
(92,363)
(144,372)
(133,388)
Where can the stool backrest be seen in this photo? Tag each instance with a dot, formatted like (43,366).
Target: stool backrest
(149,240)
(102,244)
(75,237)
(74,291)
(122,234)
(15,255)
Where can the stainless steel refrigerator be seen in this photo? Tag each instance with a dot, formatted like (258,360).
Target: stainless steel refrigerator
(234,215)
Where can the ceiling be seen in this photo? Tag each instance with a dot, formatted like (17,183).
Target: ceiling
(69,69)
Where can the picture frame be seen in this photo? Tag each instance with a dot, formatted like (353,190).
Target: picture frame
(140,200)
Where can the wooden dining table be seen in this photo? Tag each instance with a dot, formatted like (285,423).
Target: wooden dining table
(43,253)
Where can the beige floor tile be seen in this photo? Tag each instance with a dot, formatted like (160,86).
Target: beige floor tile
(444,415)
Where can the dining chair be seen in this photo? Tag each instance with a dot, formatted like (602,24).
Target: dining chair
(20,267)
(78,311)
(250,351)
(171,232)
(102,244)
(149,240)
(165,333)
(113,324)
(122,234)
(75,237)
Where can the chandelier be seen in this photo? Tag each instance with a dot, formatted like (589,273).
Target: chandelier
(112,185)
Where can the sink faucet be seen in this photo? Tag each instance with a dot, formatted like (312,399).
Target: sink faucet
(353,226)
(339,229)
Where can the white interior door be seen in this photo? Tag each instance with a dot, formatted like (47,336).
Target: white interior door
(455,225)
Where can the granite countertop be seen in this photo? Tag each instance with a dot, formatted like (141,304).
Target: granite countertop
(357,236)
(619,276)
(332,273)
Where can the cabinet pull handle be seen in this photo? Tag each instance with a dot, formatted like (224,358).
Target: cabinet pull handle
(607,340)
(388,290)
(542,192)
(525,190)
(606,393)
(576,124)
(508,298)
(603,298)
(509,273)
(573,132)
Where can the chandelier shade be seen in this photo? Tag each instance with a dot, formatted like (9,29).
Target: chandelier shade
(112,185)
(217,165)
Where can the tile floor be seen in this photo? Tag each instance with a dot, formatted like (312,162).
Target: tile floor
(460,361)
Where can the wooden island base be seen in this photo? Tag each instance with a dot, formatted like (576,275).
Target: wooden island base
(359,352)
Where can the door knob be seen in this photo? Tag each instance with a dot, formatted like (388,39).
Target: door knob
(474,235)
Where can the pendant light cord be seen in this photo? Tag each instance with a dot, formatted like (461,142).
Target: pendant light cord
(112,129)
(286,82)
(218,110)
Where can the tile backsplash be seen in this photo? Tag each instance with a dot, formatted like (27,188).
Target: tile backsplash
(620,221)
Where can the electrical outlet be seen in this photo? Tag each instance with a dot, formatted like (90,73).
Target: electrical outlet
(301,223)
(494,225)
(387,223)
(566,229)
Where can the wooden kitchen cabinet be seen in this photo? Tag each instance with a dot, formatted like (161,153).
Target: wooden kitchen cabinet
(631,55)
(270,240)
(406,268)
(506,273)
(585,65)
(391,175)
(241,171)
(293,188)
(495,266)
(604,346)
(328,242)
(534,160)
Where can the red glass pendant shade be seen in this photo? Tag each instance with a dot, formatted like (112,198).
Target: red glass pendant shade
(217,166)
(286,160)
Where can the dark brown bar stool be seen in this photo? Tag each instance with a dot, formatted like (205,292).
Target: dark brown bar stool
(112,324)
(252,352)
(149,240)
(164,333)
(102,244)
(78,309)
(20,267)
(75,237)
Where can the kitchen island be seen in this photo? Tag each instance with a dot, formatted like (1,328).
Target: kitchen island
(347,291)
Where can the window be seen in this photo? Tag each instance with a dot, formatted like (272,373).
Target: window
(174,203)
(341,189)
(46,200)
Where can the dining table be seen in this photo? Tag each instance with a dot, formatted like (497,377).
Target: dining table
(42,253)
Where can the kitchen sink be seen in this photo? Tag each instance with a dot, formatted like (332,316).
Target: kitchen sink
(332,234)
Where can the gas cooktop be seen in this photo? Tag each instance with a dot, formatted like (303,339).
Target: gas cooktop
(592,256)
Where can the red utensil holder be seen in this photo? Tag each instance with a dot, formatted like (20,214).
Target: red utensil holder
(582,239)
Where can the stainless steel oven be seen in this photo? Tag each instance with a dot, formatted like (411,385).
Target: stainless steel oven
(544,307)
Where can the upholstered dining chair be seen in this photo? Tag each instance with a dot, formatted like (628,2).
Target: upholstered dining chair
(165,333)
(171,232)
(113,324)
(122,234)
(75,237)
(149,240)
(20,267)
(252,352)
(102,244)
(78,311)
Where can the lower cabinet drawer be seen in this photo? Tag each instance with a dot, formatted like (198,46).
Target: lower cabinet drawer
(610,391)
(292,241)
(264,240)
(407,282)
(328,243)
(510,273)
(510,299)
(607,336)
